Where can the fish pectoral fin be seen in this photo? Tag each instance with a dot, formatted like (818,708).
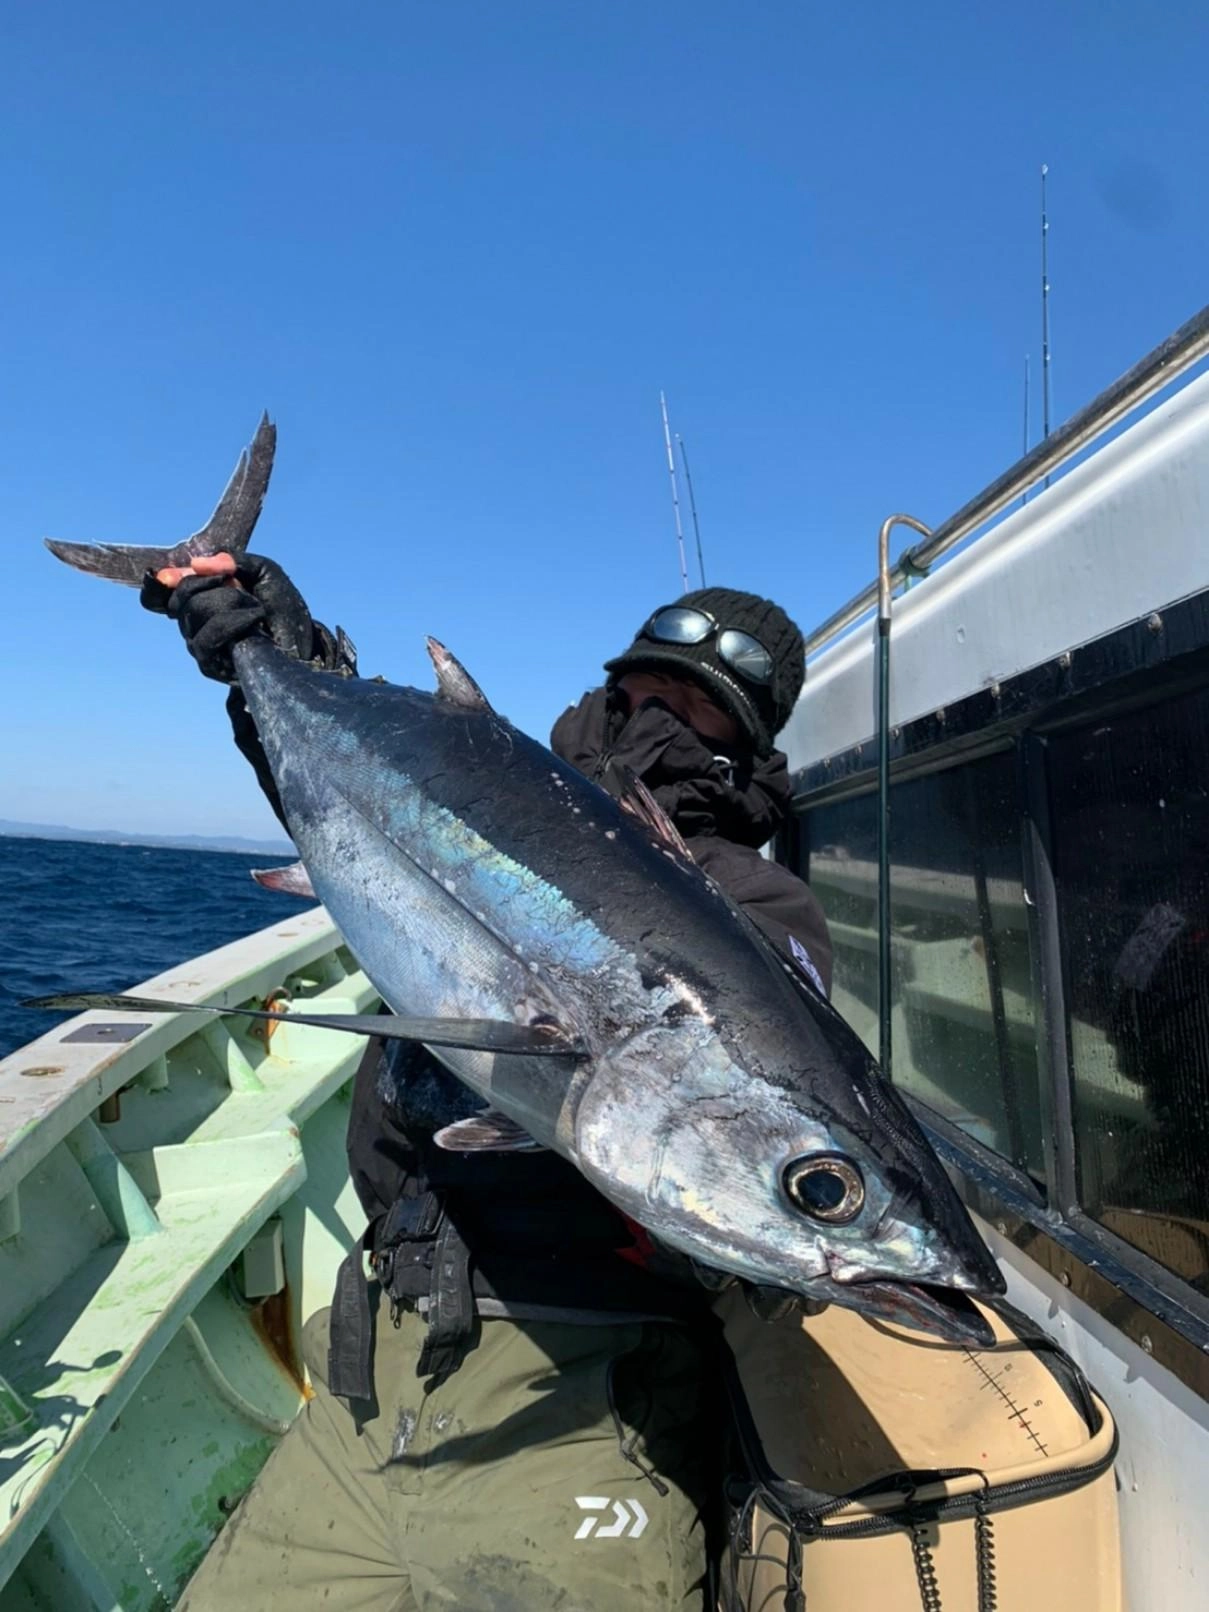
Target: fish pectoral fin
(479,1035)
(454,683)
(488,1132)
(292,881)
(637,800)
(471,1035)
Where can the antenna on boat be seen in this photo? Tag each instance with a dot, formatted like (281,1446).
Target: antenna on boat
(671,470)
(1026,422)
(1044,311)
(692,504)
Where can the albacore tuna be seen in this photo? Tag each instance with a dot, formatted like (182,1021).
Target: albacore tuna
(700,1082)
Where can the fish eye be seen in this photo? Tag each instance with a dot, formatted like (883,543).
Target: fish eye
(826,1186)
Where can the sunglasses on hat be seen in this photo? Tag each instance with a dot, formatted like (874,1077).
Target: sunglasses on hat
(686,624)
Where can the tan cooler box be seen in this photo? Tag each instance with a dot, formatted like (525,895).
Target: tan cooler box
(876,1470)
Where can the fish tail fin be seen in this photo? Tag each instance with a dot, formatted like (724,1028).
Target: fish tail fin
(227,530)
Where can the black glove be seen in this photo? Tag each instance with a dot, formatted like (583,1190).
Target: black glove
(765,1303)
(214,617)
(775,1303)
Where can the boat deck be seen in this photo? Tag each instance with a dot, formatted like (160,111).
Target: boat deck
(159,1177)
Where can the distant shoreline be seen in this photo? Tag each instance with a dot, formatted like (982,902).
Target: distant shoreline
(228,844)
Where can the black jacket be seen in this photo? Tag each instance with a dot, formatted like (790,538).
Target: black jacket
(725,808)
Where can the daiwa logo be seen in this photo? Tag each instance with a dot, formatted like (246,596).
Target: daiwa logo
(629,1518)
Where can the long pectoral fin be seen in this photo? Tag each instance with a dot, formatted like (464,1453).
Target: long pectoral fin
(488,1132)
(473,1035)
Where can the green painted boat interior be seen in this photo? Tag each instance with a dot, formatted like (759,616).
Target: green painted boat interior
(174,1202)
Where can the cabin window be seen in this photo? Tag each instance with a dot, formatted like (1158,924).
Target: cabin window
(963,1036)
(1129,804)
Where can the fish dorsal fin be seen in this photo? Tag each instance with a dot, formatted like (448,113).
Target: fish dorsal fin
(291,881)
(454,682)
(488,1132)
(637,800)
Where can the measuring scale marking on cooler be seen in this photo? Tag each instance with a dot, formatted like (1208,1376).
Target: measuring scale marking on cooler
(994,1379)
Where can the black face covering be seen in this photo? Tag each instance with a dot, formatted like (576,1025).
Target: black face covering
(706,787)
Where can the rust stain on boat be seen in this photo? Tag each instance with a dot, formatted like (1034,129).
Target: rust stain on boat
(274,1328)
(266,1029)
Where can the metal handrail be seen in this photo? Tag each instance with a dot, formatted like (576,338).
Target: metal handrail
(883,777)
(1171,358)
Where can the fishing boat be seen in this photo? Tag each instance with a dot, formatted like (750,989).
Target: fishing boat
(1000,798)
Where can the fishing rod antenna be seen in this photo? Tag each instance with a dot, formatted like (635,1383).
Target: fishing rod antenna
(671,470)
(1024,449)
(692,504)
(1044,310)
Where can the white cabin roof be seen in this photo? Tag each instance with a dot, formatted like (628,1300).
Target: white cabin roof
(1124,533)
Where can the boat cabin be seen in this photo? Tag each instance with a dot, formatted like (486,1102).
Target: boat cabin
(1046,822)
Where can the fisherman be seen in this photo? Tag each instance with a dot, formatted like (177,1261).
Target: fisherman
(519,1412)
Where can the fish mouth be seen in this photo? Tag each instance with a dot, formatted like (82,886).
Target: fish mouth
(944,1313)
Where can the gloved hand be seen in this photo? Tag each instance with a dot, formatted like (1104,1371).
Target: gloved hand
(218,601)
(765,1303)
(775,1303)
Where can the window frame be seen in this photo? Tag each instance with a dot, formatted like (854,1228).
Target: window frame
(1143,663)
(1021,1180)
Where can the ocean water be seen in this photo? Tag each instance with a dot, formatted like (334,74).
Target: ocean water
(78,916)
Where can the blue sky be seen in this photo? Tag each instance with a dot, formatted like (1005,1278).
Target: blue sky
(457,250)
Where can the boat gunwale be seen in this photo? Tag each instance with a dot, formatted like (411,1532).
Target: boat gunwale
(38,1112)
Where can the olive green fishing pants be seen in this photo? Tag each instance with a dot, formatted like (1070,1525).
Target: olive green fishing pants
(504,1489)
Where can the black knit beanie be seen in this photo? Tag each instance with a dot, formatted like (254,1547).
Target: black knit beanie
(762,711)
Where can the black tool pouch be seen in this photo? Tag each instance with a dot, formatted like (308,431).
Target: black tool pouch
(420,1261)
(403,1247)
